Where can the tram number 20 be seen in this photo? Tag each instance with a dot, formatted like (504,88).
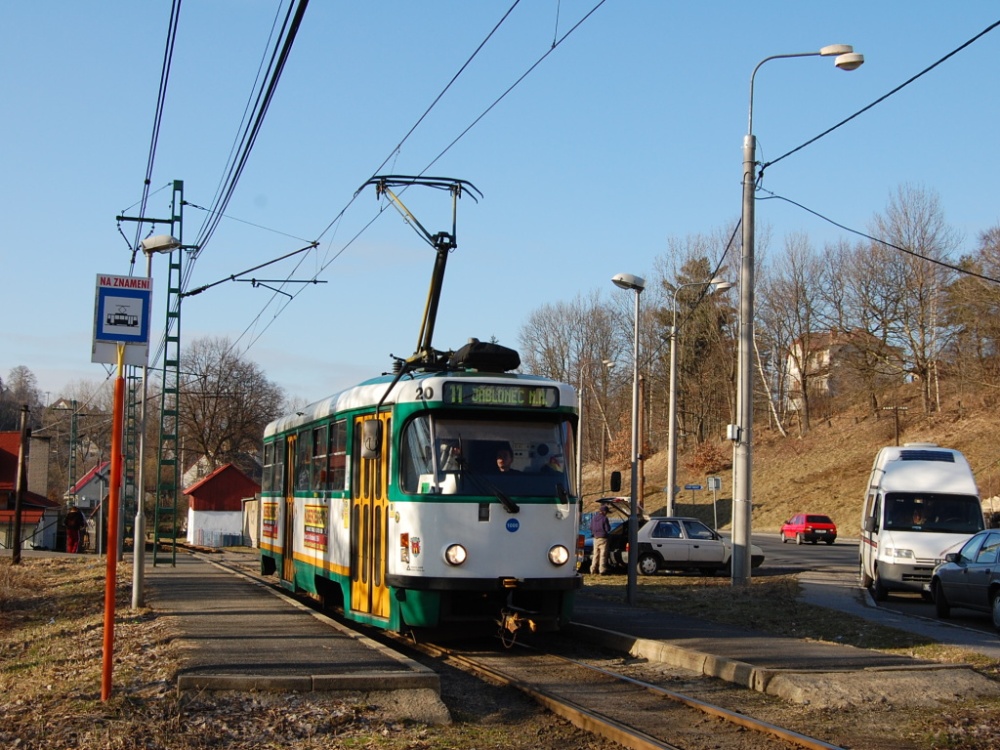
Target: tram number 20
(425,393)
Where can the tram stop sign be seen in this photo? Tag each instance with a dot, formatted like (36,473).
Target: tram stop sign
(121,317)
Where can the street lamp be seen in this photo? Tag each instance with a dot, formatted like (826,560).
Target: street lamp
(742,432)
(159,243)
(637,284)
(716,285)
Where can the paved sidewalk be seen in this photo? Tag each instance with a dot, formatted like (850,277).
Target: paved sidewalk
(239,634)
(803,671)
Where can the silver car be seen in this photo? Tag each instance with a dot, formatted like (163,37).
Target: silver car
(678,543)
(969,578)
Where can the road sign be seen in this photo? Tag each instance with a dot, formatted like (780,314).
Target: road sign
(121,317)
(692,486)
(715,483)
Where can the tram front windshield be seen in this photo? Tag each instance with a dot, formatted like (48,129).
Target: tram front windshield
(474,457)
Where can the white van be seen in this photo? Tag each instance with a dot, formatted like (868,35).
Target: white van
(921,501)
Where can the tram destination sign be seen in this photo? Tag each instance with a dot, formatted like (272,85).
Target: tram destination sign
(501,394)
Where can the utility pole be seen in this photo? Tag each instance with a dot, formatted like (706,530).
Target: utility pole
(168,470)
(20,487)
(896,409)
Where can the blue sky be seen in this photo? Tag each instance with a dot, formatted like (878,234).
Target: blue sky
(629,133)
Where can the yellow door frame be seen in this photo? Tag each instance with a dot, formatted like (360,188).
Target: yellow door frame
(369,523)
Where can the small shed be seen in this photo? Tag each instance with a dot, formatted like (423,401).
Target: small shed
(215,507)
(39,515)
(91,490)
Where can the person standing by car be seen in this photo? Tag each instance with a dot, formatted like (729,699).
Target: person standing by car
(74,528)
(600,527)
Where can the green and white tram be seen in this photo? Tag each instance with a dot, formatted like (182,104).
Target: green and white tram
(387,500)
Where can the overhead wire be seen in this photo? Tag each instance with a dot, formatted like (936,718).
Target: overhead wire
(392,153)
(773,196)
(943,264)
(250,128)
(513,86)
(161,98)
(882,98)
(427,111)
(265,95)
(224,194)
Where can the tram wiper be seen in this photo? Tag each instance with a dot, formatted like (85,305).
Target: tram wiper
(487,487)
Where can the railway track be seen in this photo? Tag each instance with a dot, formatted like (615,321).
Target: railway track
(629,710)
(626,710)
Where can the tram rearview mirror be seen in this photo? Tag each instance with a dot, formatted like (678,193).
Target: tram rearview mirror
(616,481)
(371,438)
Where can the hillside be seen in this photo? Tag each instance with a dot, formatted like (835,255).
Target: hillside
(826,470)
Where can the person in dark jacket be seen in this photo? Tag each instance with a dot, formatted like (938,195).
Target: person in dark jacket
(74,528)
(600,527)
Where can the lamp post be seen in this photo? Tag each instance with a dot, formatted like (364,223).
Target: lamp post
(717,285)
(742,432)
(160,243)
(637,284)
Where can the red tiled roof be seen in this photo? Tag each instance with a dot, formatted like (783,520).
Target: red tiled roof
(10,447)
(28,517)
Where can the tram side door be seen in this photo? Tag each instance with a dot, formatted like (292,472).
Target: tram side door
(369,522)
(288,532)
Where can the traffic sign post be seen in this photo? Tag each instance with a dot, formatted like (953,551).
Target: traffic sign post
(121,337)
(715,484)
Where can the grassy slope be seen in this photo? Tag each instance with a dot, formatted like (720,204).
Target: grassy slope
(826,470)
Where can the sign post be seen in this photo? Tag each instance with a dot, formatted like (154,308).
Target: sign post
(715,484)
(121,337)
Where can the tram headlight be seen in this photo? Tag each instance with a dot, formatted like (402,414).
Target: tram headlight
(456,554)
(558,555)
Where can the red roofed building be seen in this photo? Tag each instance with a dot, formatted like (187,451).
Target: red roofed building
(215,507)
(39,515)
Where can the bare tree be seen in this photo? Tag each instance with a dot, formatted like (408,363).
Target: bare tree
(224,403)
(913,221)
(791,311)
(20,389)
(973,312)
(571,342)
(864,296)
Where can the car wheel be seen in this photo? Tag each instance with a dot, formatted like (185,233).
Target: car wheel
(648,564)
(798,538)
(829,541)
(879,592)
(941,607)
(866,580)
(995,607)
(708,571)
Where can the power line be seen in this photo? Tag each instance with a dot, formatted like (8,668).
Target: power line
(161,98)
(957,269)
(882,98)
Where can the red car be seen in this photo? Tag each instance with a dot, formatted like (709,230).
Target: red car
(809,527)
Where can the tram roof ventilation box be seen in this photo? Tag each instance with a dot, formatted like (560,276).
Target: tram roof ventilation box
(479,355)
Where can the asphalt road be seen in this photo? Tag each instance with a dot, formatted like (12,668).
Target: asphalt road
(840,560)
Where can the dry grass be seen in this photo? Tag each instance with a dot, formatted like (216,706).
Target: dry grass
(825,470)
(51,655)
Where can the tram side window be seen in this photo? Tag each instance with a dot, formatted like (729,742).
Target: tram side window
(303,454)
(267,479)
(319,449)
(280,456)
(336,475)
